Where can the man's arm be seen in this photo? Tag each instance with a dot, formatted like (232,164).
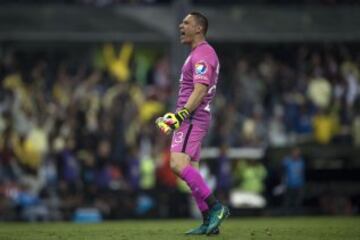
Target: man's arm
(201,78)
(196,97)
(174,120)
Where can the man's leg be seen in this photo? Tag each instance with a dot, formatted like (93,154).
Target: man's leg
(186,146)
(181,166)
(204,209)
(202,205)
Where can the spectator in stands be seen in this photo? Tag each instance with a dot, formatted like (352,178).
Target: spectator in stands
(319,91)
(254,129)
(325,126)
(293,178)
(277,136)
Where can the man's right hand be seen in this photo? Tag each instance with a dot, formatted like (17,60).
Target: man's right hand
(164,128)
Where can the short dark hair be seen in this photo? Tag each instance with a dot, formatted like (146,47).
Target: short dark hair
(202,20)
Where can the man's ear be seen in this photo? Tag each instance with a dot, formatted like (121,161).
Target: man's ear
(199,29)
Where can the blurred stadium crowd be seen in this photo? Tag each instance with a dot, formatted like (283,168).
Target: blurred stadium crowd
(288,95)
(79,131)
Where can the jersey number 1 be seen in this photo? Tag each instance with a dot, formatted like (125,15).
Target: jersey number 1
(213,88)
(207,107)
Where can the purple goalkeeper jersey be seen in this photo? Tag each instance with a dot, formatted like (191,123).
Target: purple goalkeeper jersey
(201,66)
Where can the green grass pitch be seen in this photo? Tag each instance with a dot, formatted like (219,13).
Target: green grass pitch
(302,228)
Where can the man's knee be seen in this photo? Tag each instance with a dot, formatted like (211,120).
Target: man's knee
(178,162)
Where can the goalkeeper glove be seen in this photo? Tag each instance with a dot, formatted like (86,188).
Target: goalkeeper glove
(174,120)
(164,128)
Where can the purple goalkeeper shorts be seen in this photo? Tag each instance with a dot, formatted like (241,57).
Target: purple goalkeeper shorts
(187,139)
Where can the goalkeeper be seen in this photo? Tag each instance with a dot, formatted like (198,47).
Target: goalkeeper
(191,121)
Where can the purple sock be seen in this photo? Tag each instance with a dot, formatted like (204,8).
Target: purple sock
(202,205)
(198,187)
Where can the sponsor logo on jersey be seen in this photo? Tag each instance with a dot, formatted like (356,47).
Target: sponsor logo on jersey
(201,68)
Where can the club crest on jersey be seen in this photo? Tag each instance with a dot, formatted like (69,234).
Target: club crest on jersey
(200,68)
